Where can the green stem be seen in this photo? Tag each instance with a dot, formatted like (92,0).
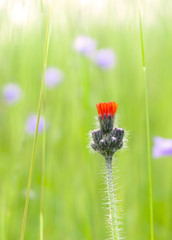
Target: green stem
(36,131)
(42,188)
(41,226)
(43,143)
(111,199)
(147,131)
(42,6)
(42,174)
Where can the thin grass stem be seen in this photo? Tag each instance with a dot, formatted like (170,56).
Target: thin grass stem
(42,183)
(42,173)
(147,129)
(37,124)
(42,6)
(43,144)
(111,199)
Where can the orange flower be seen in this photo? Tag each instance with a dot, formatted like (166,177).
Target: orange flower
(106,109)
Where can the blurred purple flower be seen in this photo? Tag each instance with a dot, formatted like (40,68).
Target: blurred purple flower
(32,194)
(53,77)
(11,93)
(85,45)
(31,121)
(162,147)
(105,58)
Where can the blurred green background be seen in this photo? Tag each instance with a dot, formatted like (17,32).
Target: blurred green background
(74,189)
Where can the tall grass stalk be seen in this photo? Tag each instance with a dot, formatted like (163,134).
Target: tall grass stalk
(42,6)
(42,173)
(111,199)
(44,136)
(48,27)
(147,129)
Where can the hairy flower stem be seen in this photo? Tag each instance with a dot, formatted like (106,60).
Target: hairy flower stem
(106,141)
(111,199)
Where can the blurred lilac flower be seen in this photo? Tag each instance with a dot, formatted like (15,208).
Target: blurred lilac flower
(11,93)
(32,193)
(85,45)
(53,77)
(105,58)
(31,121)
(162,147)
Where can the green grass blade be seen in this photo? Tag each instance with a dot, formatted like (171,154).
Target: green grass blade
(147,130)
(42,173)
(42,6)
(37,124)
(141,39)
(43,144)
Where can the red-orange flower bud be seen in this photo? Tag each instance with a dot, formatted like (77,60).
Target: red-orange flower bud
(105,109)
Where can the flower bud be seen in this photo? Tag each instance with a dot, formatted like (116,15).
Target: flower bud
(107,140)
